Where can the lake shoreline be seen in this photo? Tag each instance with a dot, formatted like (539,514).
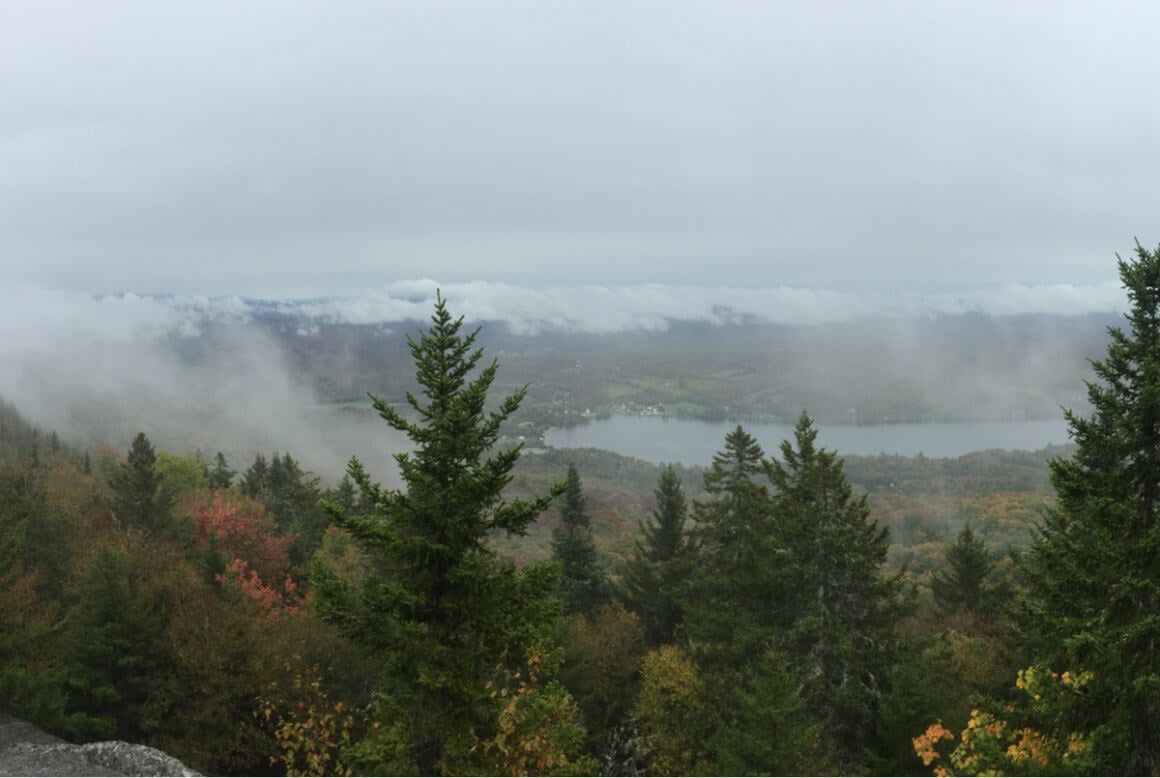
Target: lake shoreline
(694,442)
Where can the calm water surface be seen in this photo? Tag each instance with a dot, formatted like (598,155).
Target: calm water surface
(693,442)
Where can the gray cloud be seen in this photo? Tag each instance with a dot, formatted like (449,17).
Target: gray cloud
(607,309)
(299,148)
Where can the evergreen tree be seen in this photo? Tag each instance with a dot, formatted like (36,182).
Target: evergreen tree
(583,586)
(450,622)
(140,498)
(1093,572)
(345,496)
(962,584)
(738,604)
(28,688)
(663,559)
(293,497)
(256,480)
(766,731)
(840,636)
(733,599)
(113,651)
(221,477)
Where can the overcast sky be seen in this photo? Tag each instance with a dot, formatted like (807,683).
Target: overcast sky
(290,148)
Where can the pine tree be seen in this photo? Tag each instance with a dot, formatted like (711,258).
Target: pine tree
(962,584)
(661,564)
(583,585)
(450,622)
(839,637)
(221,477)
(140,498)
(1093,573)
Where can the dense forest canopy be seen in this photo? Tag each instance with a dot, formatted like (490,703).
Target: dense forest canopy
(500,608)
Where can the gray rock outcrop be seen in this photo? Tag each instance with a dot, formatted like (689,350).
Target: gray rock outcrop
(27,750)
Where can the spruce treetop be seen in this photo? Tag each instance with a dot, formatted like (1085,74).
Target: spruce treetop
(448,618)
(583,586)
(963,584)
(140,498)
(1093,583)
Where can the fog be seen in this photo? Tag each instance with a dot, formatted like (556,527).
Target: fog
(192,374)
(202,373)
(601,309)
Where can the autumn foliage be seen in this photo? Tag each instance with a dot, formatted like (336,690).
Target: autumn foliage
(1016,739)
(257,559)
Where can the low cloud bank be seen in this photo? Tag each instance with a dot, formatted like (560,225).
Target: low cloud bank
(609,309)
(40,319)
(189,372)
(194,372)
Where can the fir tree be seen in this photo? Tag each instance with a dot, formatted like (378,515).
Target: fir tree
(839,636)
(28,687)
(732,599)
(583,586)
(1093,573)
(344,496)
(962,584)
(140,498)
(256,480)
(661,564)
(293,497)
(221,476)
(113,651)
(448,620)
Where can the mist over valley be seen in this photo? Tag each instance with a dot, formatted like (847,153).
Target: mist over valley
(247,375)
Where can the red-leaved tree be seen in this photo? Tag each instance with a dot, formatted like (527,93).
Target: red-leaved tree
(258,558)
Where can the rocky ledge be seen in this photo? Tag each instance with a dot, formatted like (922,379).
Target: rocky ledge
(27,750)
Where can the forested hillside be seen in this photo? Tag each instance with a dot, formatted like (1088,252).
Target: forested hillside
(783,611)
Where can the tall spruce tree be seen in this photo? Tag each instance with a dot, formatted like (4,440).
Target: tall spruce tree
(115,647)
(28,687)
(221,476)
(661,564)
(449,621)
(294,498)
(583,585)
(733,599)
(256,480)
(962,584)
(839,637)
(1093,572)
(141,500)
(738,605)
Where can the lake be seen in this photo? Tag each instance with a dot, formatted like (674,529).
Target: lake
(694,442)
